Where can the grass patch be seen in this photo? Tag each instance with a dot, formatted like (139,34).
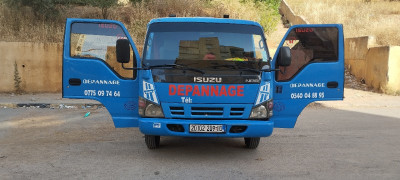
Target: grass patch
(359,17)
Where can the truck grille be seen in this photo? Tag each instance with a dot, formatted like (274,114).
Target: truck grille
(237,111)
(200,111)
(205,111)
(177,110)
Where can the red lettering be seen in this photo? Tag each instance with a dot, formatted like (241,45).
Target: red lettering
(240,90)
(291,40)
(205,90)
(196,91)
(189,89)
(181,90)
(302,30)
(232,90)
(108,26)
(172,90)
(223,91)
(214,90)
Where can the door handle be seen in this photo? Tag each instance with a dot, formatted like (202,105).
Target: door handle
(75,82)
(332,84)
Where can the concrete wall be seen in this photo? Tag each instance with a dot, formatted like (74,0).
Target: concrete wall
(356,50)
(39,66)
(379,67)
(376,67)
(288,14)
(393,85)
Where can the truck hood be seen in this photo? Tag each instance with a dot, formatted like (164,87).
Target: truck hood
(207,93)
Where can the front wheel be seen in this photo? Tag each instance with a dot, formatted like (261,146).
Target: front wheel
(152,142)
(252,143)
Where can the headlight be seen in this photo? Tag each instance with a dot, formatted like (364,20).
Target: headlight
(149,109)
(153,110)
(259,112)
(263,111)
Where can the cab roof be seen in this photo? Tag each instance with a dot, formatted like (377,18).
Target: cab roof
(204,20)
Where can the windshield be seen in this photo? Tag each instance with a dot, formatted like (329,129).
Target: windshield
(218,44)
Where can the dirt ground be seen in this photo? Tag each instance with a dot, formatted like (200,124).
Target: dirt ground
(352,139)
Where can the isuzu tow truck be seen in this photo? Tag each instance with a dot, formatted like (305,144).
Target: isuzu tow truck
(202,77)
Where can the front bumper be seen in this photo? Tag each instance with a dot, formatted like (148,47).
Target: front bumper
(158,127)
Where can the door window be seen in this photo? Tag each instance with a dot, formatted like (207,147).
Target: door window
(309,45)
(98,41)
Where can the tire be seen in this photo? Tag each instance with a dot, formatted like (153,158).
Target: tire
(252,143)
(152,142)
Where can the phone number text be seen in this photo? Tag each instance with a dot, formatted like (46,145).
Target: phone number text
(101,93)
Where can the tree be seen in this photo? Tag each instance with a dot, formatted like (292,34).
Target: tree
(104,5)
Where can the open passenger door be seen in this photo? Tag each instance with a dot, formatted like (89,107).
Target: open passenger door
(316,71)
(91,71)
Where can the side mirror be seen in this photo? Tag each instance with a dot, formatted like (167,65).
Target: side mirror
(123,51)
(284,57)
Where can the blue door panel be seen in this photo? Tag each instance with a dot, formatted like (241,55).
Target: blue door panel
(315,81)
(119,96)
(99,82)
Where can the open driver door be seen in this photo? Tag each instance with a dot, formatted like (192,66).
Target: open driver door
(91,71)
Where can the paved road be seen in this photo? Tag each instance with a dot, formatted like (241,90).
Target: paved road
(351,142)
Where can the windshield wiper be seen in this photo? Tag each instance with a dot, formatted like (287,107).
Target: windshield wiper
(177,66)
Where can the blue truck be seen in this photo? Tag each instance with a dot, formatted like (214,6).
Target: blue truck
(202,77)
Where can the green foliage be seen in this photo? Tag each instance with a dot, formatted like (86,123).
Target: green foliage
(72,2)
(272,3)
(42,8)
(135,1)
(104,5)
(31,20)
(50,9)
(17,79)
(269,14)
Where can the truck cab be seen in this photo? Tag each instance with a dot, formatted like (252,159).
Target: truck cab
(202,77)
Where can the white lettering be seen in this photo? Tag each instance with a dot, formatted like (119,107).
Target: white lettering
(321,95)
(186,100)
(102,93)
(307,85)
(207,79)
(308,95)
(101,82)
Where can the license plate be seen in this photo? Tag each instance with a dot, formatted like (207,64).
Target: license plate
(206,128)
